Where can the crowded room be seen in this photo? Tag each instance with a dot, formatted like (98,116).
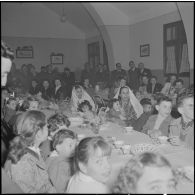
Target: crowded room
(97,97)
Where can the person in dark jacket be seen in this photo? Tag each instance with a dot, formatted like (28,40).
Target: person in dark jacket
(46,90)
(34,89)
(58,92)
(153,86)
(133,76)
(143,71)
(119,72)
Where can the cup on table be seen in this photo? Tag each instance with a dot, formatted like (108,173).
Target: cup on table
(118,143)
(126,149)
(128,129)
(174,140)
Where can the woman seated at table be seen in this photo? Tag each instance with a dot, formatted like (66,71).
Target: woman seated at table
(88,87)
(182,129)
(158,124)
(147,173)
(130,107)
(78,96)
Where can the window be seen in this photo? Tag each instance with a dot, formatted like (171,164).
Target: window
(175,50)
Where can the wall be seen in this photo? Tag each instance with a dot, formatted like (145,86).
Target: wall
(151,32)
(74,50)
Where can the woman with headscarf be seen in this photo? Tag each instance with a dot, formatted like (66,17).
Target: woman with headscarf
(130,106)
(78,96)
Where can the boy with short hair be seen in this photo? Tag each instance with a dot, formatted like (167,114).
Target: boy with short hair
(182,129)
(59,162)
(147,111)
(158,124)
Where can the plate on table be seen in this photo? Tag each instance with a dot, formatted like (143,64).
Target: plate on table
(144,147)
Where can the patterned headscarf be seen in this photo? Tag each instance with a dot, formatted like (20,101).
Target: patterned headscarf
(133,100)
(85,96)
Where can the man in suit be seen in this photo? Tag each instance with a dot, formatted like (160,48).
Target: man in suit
(143,71)
(154,87)
(119,72)
(133,76)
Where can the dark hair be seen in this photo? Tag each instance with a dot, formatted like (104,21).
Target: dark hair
(84,103)
(179,80)
(160,98)
(145,101)
(169,77)
(122,89)
(112,101)
(153,77)
(78,87)
(27,126)
(24,107)
(61,135)
(182,97)
(129,175)
(87,147)
(131,61)
(57,120)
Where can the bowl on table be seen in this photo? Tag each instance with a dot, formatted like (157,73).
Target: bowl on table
(163,139)
(118,143)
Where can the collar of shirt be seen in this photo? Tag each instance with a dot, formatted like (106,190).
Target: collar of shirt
(36,150)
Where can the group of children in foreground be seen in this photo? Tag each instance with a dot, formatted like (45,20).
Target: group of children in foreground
(46,157)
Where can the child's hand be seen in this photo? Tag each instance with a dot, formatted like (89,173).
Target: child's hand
(154,133)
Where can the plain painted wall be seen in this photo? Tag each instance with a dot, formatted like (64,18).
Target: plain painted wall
(74,50)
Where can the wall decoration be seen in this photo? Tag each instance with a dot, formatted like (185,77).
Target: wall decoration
(56,58)
(144,50)
(24,52)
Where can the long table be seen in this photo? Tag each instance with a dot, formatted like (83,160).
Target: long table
(178,156)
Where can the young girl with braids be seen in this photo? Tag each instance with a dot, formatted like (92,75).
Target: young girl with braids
(27,167)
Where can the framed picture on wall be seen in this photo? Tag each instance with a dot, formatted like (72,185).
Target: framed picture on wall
(24,52)
(145,50)
(56,58)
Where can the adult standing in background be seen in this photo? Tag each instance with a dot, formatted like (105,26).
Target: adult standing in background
(87,73)
(143,71)
(25,79)
(133,76)
(42,75)
(68,79)
(119,72)
(101,74)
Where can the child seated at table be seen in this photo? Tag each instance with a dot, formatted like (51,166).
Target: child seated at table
(55,123)
(158,124)
(182,129)
(59,162)
(147,173)
(114,114)
(147,111)
(92,168)
(85,110)
(10,109)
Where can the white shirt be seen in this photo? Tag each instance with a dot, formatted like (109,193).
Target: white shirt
(81,183)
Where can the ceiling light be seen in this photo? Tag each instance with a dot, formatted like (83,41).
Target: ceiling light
(63,17)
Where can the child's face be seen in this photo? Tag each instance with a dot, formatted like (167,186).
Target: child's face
(116,106)
(85,108)
(156,180)
(67,147)
(147,108)
(98,166)
(12,105)
(164,109)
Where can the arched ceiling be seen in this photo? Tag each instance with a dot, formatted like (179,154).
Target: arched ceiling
(44,17)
